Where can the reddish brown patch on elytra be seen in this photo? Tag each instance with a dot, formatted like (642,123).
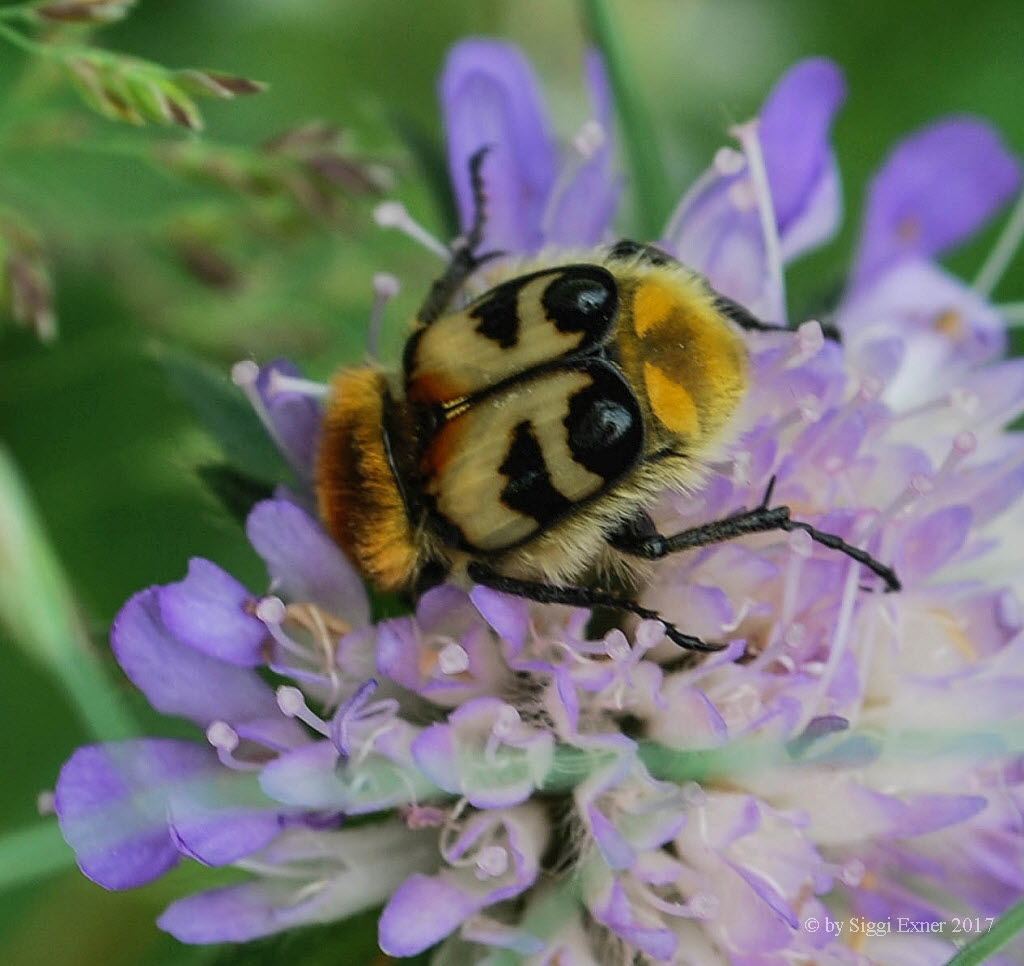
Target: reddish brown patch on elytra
(439,453)
(435,389)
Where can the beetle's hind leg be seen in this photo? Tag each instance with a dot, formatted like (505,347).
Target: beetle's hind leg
(639,537)
(465,260)
(582,597)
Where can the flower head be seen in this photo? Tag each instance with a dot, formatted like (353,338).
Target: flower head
(581,798)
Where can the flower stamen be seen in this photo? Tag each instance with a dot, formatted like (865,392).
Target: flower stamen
(747,135)
(393,214)
(1002,253)
(292,703)
(280,383)
(385,288)
(226,740)
(245,375)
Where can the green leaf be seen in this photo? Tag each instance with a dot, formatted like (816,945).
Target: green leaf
(226,414)
(33,852)
(237,493)
(349,943)
(37,608)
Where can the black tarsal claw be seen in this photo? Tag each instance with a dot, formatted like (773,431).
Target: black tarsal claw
(688,641)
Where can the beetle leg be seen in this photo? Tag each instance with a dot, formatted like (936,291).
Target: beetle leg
(581,597)
(639,537)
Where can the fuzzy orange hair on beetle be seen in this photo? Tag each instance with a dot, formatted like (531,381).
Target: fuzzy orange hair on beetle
(529,430)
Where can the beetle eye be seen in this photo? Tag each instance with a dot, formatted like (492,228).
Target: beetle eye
(582,299)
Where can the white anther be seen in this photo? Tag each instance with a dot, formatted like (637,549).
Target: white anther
(693,795)
(729,161)
(786,663)
(589,139)
(222,736)
(271,610)
(245,373)
(616,646)
(393,214)
(794,637)
(386,285)
(810,339)
(853,872)
(291,701)
(492,862)
(506,721)
(453,659)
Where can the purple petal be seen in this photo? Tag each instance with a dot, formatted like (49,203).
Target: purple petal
(796,123)
(235,913)
(296,417)
(328,875)
(208,610)
(219,836)
(304,563)
(307,777)
(490,96)
(422,912)
(618,915)
(947,320)
(936,189)
(716,232)
(931,543)
(509,616)
(583,211)
(928,813)
(180,680)
(112,804)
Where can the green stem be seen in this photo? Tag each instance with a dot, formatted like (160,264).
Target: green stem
(650,186)
(1008,925)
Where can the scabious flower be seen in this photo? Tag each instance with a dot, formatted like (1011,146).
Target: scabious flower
(544,795)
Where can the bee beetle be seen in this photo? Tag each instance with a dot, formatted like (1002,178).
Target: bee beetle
(529,430)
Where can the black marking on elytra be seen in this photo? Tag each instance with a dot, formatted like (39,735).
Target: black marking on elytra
(581,298)
(604,424)
(498,312)
(529,490)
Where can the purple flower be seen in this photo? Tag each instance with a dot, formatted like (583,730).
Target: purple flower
(576,799)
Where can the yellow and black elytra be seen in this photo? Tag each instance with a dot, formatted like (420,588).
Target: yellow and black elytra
(529,430)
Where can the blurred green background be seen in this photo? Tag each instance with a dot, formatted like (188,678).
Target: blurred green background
(108,449)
